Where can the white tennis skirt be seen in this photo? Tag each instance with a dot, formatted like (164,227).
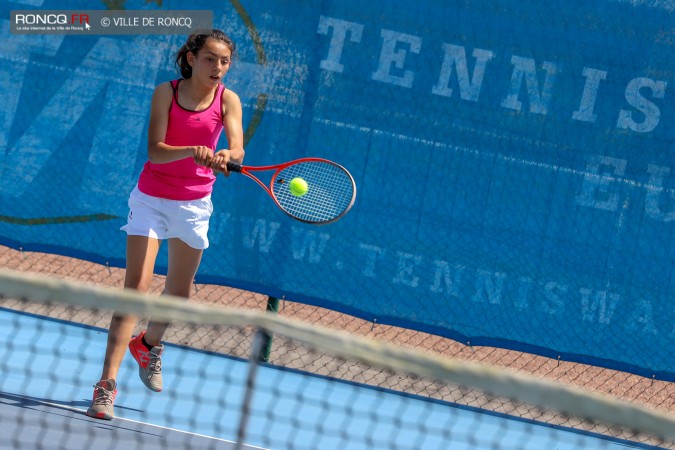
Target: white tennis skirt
(160,218)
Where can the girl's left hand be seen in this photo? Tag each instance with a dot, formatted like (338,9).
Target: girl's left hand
(219,162)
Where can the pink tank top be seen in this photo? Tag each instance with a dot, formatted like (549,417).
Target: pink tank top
(184,179)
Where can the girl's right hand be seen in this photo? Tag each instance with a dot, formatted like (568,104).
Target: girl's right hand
(202,155)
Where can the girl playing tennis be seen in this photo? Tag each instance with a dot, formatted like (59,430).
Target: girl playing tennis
(172,199)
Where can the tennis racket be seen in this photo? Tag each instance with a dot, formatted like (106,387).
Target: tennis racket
(331,189)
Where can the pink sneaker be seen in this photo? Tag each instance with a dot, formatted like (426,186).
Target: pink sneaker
(149,362)
(103,402)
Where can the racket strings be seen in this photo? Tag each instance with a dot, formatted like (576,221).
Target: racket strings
(330,192)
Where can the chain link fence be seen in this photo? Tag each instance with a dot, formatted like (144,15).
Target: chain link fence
(654,394)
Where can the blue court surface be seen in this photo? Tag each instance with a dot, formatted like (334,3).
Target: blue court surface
(45,407)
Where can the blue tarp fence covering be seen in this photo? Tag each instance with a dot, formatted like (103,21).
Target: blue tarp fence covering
(514,161)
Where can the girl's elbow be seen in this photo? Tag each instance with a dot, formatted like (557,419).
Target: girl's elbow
(152,153)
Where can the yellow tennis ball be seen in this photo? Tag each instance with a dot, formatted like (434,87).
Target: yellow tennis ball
(298,187)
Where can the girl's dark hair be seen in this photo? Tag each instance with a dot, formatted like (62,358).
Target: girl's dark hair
(195,43)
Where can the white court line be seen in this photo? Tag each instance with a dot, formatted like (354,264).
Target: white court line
(83,411)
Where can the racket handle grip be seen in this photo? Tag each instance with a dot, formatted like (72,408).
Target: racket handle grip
(233,167)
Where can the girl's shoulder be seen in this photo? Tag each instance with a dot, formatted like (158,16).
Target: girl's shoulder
(162,97)
(164,91)
(230,102)
(228,96)
(167,86)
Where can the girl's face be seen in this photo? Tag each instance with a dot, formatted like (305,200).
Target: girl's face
(211,62)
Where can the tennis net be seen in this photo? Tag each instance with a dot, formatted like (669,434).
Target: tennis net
(320,390)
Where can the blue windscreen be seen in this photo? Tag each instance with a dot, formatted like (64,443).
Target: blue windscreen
(513,161)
